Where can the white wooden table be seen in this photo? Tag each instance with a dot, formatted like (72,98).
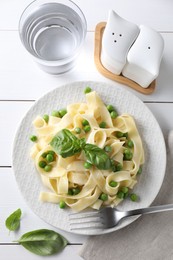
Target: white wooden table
(22,82)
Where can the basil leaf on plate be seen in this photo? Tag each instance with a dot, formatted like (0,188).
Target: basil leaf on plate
(43,242)
(97,156)
(13,221)
(66,144)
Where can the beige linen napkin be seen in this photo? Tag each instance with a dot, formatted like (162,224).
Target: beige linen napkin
(150,237)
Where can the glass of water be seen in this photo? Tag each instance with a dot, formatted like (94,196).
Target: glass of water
(53,32)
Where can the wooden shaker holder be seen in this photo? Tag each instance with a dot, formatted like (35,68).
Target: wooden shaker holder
(119,78)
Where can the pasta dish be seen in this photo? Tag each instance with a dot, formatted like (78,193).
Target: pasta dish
(87,155)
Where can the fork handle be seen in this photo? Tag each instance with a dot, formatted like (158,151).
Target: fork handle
(148,210)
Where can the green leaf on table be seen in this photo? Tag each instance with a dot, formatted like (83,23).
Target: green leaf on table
(43,242)
(97,157)
(66,144)
(13,221)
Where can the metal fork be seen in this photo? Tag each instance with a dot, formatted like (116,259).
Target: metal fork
(109,217)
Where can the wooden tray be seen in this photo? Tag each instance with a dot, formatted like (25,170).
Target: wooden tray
(119,78)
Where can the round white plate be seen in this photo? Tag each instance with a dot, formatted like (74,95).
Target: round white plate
(149,181)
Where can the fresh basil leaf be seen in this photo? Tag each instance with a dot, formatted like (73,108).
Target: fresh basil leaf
(43,242)
(97,157)
(13,221)
(66,144)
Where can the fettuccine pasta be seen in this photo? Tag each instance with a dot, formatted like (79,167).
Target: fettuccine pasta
(74,180)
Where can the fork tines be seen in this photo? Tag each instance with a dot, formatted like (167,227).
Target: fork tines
(87,220)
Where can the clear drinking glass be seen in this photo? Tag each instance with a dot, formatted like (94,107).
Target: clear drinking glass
(53,32)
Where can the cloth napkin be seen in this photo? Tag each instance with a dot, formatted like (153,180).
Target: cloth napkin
(150,237)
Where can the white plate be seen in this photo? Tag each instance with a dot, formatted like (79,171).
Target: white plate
(150,180)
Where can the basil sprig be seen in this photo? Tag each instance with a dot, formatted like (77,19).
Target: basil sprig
(67,144)
(97,157)
(43,242)
(13,221)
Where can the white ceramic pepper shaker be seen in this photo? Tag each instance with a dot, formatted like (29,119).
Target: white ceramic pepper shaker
(144,57)
(117,39)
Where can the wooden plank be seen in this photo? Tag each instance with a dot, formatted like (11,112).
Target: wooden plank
(10,200)
(163,114)
(21,78)
(11,114)
(156,14)
(17,252)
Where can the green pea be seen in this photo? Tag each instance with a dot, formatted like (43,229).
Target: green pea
(113,165)
(51,152)
(48,168)
(127,155)
(62,112)
(103,197)
(120,195)
(126,195)
(62,204)
(113,183)
(102,124)
(124,189)
(130,144)
(87,128)
(133,197)
(127,151)
(42,164)
(110,108)
(119,167)
(49,157)
(87,90)
(108,148)
(44,155)
(119,134)
(113,114)
(139,170)
(55,113)
(33,138)
(75,191)
(87,165)
(46,118)
(85,122)
(78,130)
(70,192)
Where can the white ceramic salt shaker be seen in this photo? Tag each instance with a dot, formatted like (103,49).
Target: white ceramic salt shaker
(144,57)
(117,39)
